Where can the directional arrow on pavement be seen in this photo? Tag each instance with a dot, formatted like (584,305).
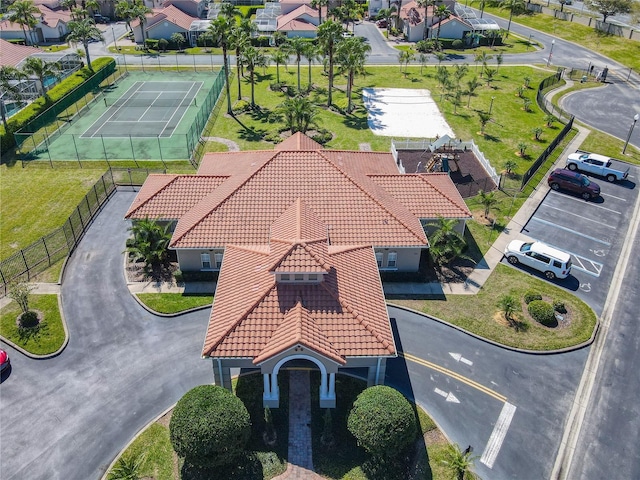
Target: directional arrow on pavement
(450,397)
(459,358)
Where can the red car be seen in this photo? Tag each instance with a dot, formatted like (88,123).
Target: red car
(4,361)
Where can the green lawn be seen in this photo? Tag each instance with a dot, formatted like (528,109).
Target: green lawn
(480,314)
(623,50)
(44,339)
(173,302)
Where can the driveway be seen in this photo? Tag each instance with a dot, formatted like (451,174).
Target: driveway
(512,411)
(68,417)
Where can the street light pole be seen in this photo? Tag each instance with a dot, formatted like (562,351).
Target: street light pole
(553,42)
(114,39)
(636,117)
(491,105)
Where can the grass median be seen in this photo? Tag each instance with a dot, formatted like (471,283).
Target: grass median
(169,303)
(480,314)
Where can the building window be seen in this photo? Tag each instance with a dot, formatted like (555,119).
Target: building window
(218,259)
(379,258)
(205,258)
(313,277)
(392,259)
(284,277)
(299,277)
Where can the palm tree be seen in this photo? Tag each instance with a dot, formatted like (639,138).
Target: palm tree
(239,40)
(139,10)
(499,60)
(509,306)
(522,148)
(253,58)
(8,78)
(459,462)
(228,10)
(220,30)
(329,35)
(299,113)
(41,70)
(472,85)
(84,31)
(490,73)
(387,14)
(426,4)
(442,12)
(512,5)
(460,71)
(311,53)
(405,57)
(351,55)
(124,10)
(279,57)
(488,200)
(423,58)
(23,12)
(319,4)
(484,119)
(509,165)
(297,47)
(482,5)
(149,243)
(549,119)
(446,243)
(537,132)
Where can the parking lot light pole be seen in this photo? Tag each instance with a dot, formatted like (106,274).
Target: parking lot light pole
(553,42)
(636,117)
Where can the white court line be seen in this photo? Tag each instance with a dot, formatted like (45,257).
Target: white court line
(613,196)
(591,205)
(137,121)
(199,84)
(569,230)
(576,215)
(145,112)
(497,436)
(138,84)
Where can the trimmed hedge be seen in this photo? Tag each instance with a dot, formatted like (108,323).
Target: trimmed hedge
(210,427)
(542,312)
(383,422)
(56,94)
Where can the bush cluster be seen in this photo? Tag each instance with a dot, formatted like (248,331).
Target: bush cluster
(210,427)
(530,296)
(559,306)
(382,421)
(542,312)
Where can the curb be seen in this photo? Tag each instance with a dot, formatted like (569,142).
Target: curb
(48,355)
(166,315)
(572,348)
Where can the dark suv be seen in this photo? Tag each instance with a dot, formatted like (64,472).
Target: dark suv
(574,182)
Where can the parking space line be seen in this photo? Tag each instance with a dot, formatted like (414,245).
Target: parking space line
(569,230)
(582,263)
(576,215)
(613,196)
(591,204)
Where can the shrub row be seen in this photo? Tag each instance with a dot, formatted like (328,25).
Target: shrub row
(56,94)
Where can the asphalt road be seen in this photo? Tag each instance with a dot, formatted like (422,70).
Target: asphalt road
(540,387)
(69,416)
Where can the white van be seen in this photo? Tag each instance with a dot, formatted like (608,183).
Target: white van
(552,262)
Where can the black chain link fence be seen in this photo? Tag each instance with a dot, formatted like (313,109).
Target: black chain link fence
(41,254)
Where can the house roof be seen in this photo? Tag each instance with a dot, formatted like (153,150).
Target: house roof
(408,9)
(173,15)
(256,317)
(12,54)
(453,18)
(237,196)
(52,17)
(292,21)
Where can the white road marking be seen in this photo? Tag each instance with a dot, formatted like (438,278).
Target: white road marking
(448,396)
(545,222)
(440,392)
(497,436)
(459,358)
(613,196)
(576,215)
(583,201)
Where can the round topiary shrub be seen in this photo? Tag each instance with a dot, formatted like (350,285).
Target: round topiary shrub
(530,296)
(542,312)
(559,307)
(382,421)
(209,427)
(457,44)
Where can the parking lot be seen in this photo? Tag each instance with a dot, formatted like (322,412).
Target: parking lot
(591,231)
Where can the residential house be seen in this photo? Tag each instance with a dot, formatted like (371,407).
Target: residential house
(452,27)
(301,22)
(162,24)
(190,7)
(52,26)
(298,235)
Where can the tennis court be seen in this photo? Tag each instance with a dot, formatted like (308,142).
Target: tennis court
(143,116)
(147,109)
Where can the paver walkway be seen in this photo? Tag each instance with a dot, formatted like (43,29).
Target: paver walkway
(300,455)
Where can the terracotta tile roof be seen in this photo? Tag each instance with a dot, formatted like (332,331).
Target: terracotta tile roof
(174,15)
(253,316)
(241,211)
(425,195)
(298,141)
(372,163)
(292,21)
(11,54)
(53,17)
(169,197)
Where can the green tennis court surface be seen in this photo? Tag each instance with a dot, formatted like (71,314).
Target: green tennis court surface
(147,109)
(144,116)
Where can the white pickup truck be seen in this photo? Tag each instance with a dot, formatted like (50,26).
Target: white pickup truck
(596,164)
